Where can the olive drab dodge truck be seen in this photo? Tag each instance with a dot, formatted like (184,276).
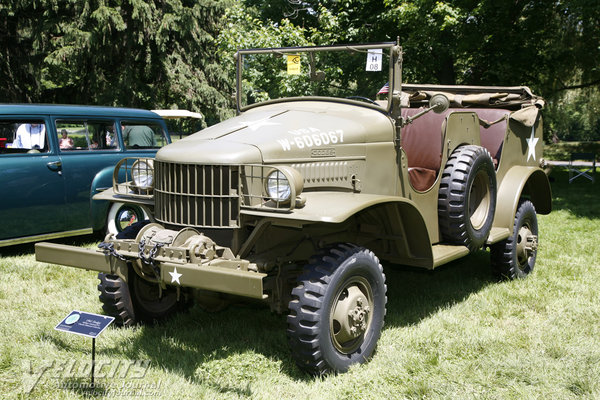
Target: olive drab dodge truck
(331,165)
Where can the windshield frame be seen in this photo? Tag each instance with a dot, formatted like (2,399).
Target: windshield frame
(394,73)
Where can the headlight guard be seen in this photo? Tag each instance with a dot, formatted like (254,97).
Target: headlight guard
(283,184)
(134,177)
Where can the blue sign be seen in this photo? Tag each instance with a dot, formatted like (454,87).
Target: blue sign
(84,324)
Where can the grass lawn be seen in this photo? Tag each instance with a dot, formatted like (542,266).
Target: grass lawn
(562,151)
(450,333)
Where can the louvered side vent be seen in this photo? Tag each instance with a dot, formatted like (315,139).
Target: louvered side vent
(326,174)
(201,196)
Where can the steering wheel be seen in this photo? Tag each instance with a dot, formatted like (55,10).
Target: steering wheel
(368,100)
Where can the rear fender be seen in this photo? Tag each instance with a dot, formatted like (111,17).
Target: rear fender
(522,182)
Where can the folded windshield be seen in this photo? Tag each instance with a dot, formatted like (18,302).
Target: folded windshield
(359,73)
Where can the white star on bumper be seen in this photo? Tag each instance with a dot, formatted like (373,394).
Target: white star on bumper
(175,276)
(531,142)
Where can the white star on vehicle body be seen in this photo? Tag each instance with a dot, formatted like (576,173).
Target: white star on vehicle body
(175,276)
(531,142)
(255,125)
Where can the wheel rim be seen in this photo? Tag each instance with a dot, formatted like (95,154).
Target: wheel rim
(526,246)
(147,295)
(479,199)
(351,314)
(125,217)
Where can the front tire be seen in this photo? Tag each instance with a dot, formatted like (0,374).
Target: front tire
(116,299)
(337,310)
(514,258)
(136,300)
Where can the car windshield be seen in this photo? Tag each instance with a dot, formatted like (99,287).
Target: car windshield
(348,72)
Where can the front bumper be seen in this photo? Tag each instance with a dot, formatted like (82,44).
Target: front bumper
(219,275)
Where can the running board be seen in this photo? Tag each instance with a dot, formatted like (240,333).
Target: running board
(444,253)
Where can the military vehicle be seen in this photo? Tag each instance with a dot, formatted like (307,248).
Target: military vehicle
(294,201)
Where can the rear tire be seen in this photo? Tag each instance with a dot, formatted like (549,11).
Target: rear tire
(514,258)
(337,310)
(467,197)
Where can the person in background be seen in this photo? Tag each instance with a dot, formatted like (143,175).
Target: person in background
(30,136)
(138,136)
(65,142)
(110,137)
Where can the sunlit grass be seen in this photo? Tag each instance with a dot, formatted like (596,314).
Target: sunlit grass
(562,151)
(454,332)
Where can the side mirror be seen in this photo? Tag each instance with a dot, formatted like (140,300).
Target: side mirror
(439,103)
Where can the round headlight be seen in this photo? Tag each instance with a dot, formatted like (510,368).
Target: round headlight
(278,187)
(284,182)
(142,172)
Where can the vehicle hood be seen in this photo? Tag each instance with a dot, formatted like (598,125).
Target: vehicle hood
(284,131)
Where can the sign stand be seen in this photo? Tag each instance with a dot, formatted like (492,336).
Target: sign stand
(93,358)
(88,325)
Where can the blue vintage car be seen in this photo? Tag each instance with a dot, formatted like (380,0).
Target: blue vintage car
(54,158)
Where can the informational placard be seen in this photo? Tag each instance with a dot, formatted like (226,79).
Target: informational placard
(293,64)
(84,324)
(374,59)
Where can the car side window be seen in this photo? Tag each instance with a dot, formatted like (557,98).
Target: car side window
(86,135)
(138,135)
(23,136)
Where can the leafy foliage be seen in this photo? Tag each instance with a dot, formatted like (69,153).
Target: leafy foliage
(179,53)
(550,46)
(115,52)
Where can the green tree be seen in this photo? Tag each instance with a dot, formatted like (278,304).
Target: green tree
(116,52)
(551,46)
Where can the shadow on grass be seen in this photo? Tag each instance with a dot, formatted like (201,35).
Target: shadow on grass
(415,294)
(198,344)
(581,198)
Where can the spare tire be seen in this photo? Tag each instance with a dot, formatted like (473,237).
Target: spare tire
(467,197)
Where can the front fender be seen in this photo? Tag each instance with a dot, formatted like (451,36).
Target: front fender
(99,208)
(519,182)
(330,207)
(404,239)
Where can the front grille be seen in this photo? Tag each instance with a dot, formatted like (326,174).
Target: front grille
(203,196)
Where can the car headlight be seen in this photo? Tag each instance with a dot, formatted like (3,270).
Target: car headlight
(278,186)
(142,173)
(282,183)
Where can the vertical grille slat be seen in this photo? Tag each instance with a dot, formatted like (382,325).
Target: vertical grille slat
(202,196)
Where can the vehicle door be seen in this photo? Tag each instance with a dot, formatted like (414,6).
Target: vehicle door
(32,187)
(86,146)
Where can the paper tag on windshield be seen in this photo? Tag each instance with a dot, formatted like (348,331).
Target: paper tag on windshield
(293,64)
(374,59)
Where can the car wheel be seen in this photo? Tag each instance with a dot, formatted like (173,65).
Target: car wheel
(337,310)
(116,299)
(137,300)
(149,303)
(467,197)
(121,215)
(515,257)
